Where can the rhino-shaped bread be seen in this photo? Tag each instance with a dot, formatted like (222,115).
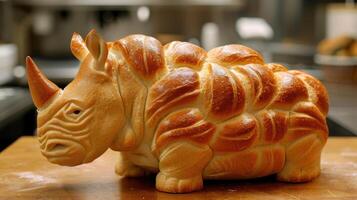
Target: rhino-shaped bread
(182,112)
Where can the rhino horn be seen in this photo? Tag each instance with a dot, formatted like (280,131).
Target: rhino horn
(41,88)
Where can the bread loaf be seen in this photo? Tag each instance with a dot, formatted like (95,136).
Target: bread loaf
(182,112)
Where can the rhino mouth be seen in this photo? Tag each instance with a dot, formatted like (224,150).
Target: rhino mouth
(63,152)
(57,147)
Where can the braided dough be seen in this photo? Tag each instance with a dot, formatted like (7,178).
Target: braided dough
(182,112)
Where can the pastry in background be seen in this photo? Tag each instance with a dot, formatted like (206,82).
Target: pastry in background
(353,48)
(340,46)
(337,58)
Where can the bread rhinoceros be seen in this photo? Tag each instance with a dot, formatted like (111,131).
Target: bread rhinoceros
(181,112)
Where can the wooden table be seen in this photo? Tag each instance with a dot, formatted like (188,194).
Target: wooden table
(25,174)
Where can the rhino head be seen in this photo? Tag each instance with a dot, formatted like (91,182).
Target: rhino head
(80,122)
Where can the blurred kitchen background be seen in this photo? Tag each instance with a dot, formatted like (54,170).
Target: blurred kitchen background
(316,36)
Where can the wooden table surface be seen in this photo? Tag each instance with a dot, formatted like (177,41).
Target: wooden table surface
(26,174)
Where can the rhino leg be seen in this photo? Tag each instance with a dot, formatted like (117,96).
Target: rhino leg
(302,160)
(124,167)
(181,166)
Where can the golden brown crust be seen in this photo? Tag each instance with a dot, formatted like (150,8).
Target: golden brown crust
(232,79)
(291,91)
(184,54)
(231,102)
(234,54)
(318,93)
(263,84)
(176,88)
(144,54)
(187,124)
(273,125)
(305,118)
(301,125)
(224,96)
(281,126)
(236,135)
(269,88)
(309,109)
(275,67)
(306,122)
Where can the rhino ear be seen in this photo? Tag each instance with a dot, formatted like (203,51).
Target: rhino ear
(78,47)
(97,48)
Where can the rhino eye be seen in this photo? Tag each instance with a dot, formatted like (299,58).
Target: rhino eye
(73,110)
(76,112)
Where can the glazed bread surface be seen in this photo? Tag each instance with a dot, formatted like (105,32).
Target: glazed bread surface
(224,97)
(182,112)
